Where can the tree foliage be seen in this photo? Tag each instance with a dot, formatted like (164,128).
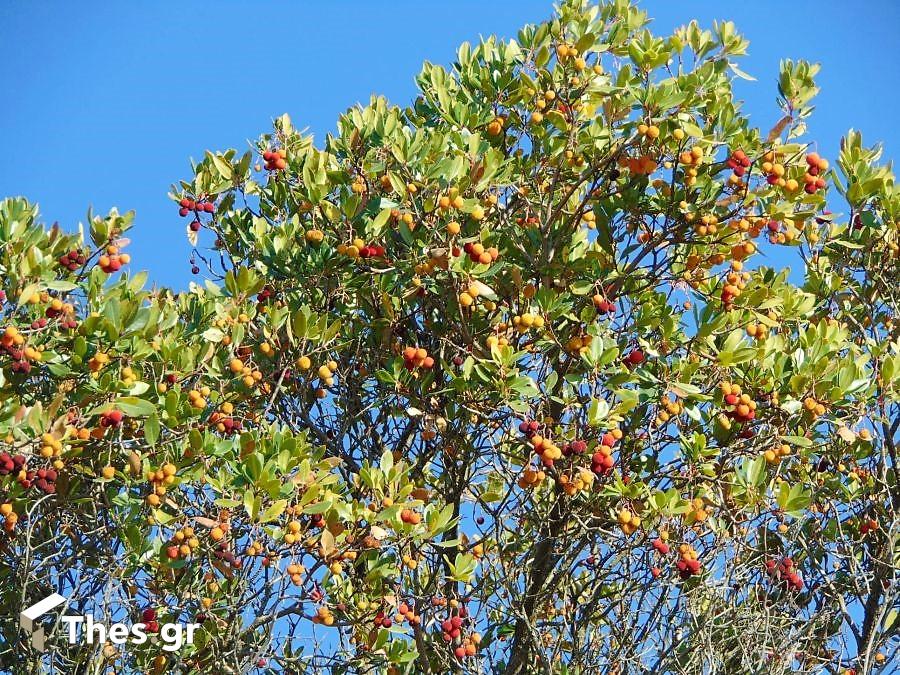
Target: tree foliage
(504,381)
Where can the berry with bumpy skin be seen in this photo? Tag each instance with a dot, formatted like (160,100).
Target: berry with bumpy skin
(603,305)
(813,181)
(688,564)
(739,406)
(275,160)
(72,260)
(635,357)
(738,162)
(785,572)
(417,357)
(602,461)
(112,260)
(111,418)
(479,254)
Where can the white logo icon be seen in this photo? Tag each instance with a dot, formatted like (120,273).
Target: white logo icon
(26,618)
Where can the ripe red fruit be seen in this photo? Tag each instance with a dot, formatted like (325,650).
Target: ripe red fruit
(635,357)
(111,418)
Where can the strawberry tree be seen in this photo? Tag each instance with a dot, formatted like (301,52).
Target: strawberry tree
(515,379)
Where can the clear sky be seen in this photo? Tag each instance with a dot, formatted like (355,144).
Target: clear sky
(106,102)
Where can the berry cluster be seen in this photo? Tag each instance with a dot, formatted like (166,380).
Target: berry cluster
(691,159)
(410,517)
(224,422)
(382,620)
(360,249)
(688,565)
(811,179)
(111,418)
(530,221)
(275,160)
(734,283)
(526,321)
(738,162)
(479,254)
(417,357)
(72,260)
(50,446)
(643,165)
(222,553)
(543,447)
(579,343)
(868,525)
(182,544)
(581,479)
(11,463)
(495,126)
(574,448)
(634,358)
(314,236)
(323,616)
(629,522)
(148,616)
(159,479)
(407,613)
(602,460)
(112,260)
(296,571)
(12,344)
(740,407)
(451,629)
(774,455)
(603,305)
(264,295)
(531,477)
(10,517)
(43,479)
(660,546)
(785,571)
(197,207)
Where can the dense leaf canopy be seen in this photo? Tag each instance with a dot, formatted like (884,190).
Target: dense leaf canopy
(504,381)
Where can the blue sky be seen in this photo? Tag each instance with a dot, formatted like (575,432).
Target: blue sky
(107,102)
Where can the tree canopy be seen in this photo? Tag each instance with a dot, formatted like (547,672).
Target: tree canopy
(504,381)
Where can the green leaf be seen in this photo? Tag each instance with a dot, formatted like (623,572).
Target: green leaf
(274,511)
(151,429)
(134,407)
